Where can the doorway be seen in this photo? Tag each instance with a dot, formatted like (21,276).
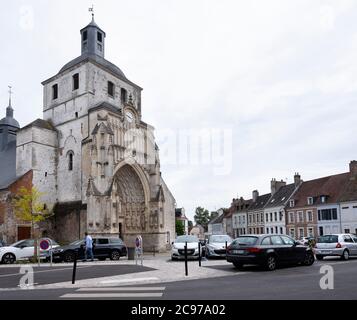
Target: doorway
(23,233)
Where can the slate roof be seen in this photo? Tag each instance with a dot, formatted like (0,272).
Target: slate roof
(8,165)
(332,187)
(40,124)
(260,203)
(349,192)
(281,196)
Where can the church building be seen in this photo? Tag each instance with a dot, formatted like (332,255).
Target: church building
(93,157)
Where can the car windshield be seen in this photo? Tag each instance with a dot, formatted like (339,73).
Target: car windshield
(188,239)
(76,243)
(220,239)
(327,239)
(246,240)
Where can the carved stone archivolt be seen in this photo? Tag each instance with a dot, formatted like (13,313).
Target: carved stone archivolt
(131,196)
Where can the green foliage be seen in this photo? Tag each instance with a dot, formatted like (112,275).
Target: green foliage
(214,215)
(202,217)
(180,228)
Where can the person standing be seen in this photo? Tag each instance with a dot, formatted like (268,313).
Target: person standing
(88,247)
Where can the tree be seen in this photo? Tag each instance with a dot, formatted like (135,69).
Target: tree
(202,217)
(214,215)
(180,228)
(28,208)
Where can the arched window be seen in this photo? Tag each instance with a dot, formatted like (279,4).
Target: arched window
(70,160)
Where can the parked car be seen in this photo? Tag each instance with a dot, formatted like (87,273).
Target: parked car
(268,251)
(342,245)
(178,248)
(216,246)
(103,248)
(20,250)
(305,241)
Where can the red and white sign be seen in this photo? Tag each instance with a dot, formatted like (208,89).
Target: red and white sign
(45,244)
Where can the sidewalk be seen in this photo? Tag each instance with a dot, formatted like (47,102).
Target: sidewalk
(165,271)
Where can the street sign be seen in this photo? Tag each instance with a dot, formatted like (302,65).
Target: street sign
(45,244)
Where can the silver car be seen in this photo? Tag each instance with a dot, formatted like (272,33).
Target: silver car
(216,246)
(342,245)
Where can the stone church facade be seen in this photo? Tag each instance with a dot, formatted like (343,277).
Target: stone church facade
(93,157)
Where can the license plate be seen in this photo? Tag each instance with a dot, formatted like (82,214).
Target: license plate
(326,251)
(238,251)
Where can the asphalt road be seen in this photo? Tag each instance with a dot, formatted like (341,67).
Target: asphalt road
(10,277)
(252,284)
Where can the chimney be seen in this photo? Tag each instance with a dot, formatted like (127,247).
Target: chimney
(297,179)
(353,168)
(276,185)
(255,195)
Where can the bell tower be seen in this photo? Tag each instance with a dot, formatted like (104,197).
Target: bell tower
(93,39)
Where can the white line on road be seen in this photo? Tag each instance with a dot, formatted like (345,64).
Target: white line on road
(122,289)
(128,280)
(110,295)
(16,274)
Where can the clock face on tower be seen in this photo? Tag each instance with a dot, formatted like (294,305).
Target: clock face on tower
(129,116)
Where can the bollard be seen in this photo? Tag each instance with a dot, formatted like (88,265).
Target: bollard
(186,265)
(199,255)
(74,267)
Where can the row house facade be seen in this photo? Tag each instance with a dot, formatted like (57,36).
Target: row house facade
(256,223)
(274,211)
(348,202)
(240,208)
(300,209)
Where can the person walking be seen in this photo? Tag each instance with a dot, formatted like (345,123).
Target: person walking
(88,247)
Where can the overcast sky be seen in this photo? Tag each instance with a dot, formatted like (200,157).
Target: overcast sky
(281,75)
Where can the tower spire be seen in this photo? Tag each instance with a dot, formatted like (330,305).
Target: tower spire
(9,110)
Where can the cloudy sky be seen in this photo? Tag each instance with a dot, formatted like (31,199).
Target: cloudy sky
(278,77)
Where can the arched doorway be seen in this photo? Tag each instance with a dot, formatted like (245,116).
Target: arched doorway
(132,201)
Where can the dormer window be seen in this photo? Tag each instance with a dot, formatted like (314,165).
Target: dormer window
(75,80)
(292,203)
(55,92)
(310,201)
(323,199)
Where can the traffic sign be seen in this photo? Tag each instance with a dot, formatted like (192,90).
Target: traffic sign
(45,244)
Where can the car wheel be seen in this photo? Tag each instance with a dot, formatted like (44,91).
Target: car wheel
(239,266)
(271,263)
(319,257)
(115,255)
(309,259)
(68,257)
(8,258)
(346,255)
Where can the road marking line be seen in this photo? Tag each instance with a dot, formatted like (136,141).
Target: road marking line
(111,295)
(122,289)
(52,270)
(128,280)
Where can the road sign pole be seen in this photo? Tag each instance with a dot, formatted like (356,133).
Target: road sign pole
(51,254)
(74,267)
(199,255)
(186,264)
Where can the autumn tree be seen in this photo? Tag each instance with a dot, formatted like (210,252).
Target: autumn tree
(28,208)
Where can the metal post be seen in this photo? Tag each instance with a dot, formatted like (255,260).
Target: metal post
(74,267)
(186,265)
(51,253)
(199,254)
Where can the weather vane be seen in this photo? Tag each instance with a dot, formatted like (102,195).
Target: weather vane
(92,10)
